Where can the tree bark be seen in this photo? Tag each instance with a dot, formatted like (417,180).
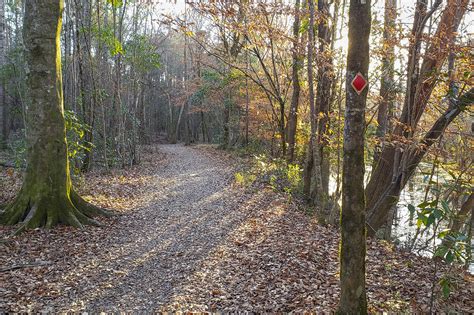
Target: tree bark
(3,104)
(387,84)
(462,216)
(296,66)
(312,170)
(103,68)
(46,197)
(186,78)
(323,100)
(470,233)
(83,29)
(353,242)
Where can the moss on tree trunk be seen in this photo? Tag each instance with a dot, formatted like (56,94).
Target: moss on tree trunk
(47,197)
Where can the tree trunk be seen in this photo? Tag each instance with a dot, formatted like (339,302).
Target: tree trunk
(312,174)
(247,105)
(226,125)
(462,217)
(296,66)
(387,92)
(393,168)
(46,197)
(324,92)
(176,135)
(353,242)
(117,123)
(233,43)
(186,77)
(387,84)
(470,233)
(3,104)
(83,29)
(282,127)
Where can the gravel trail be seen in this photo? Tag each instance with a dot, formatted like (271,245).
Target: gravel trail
(139,260)
(189,215)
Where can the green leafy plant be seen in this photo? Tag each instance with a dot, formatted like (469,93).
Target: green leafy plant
(106,37)
(75,134)
(429,212)
(278,174)
(244,178)
(141,54)
(115,3)
(294,175)
(452,250)
(453,246)
(18,151)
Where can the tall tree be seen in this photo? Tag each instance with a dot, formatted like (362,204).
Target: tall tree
(3,103)
(46,197)
(323,94)
(387,91)
(295,68)
(117,124)
(86,99)
(353,242)
(312,170)
(186,78)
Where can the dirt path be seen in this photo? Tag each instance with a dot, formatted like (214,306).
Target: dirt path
(146,255)
(189,215)
(189,241)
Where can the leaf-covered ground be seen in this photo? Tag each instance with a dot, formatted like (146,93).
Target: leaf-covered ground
(189,239)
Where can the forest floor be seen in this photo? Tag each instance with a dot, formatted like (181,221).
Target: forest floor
(187,238)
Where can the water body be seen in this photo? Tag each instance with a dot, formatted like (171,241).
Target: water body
(404,226)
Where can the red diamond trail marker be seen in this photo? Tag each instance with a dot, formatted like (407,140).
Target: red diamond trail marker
(359,83)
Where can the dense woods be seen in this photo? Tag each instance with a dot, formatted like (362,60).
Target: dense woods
(357,113)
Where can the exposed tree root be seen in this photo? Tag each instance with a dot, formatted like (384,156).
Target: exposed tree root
(47,211)
(88,208)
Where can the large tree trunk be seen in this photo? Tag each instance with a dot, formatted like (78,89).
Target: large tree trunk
(393,169)
(46,197)
(353,247)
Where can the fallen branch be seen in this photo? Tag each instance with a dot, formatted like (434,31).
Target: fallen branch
(15,267)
